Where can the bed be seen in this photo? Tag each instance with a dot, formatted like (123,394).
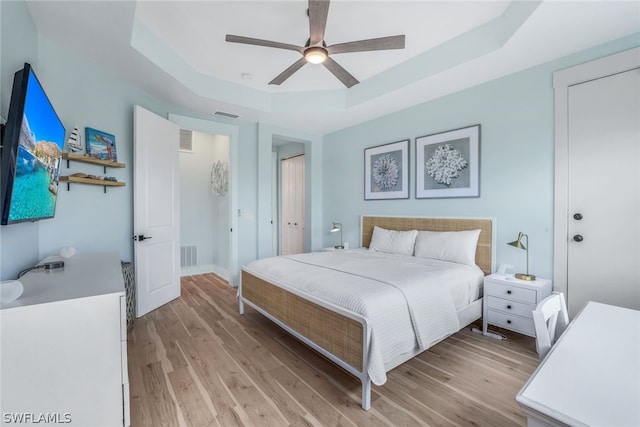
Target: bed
(387,305)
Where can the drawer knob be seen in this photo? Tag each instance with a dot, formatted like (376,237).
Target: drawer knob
(509,321)
(509,292)
(508,307)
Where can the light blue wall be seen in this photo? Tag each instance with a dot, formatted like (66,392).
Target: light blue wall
(86,95)
(516,113)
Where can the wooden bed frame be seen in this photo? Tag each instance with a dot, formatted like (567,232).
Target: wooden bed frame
(343,336)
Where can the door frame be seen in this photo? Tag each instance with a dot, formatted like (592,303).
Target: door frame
(232,131)
(562,80)
(313,186)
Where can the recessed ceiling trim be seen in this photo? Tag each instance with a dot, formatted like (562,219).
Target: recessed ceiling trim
(473,44)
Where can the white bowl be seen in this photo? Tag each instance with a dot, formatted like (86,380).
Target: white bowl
(11,290)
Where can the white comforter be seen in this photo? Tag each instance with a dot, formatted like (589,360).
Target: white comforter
(407,301)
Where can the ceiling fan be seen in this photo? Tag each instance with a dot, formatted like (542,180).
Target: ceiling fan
(316,51)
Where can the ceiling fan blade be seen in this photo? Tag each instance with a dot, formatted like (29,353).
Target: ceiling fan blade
(261,42)
(318,11)
(343,75)
(288,72)
(382,43)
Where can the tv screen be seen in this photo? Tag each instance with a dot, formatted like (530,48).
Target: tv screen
(31,152)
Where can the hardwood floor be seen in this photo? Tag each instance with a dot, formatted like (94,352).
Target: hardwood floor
(197,362)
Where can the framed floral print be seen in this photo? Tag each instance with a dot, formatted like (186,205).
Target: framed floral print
(386,171)
(448,164)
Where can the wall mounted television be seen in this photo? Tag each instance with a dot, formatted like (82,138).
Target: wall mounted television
(32,145)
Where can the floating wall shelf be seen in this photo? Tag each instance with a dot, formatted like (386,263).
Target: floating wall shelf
(91,181)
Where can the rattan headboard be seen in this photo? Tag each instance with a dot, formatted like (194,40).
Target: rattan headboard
(484,250)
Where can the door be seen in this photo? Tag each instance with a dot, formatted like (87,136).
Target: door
(604,192)
(156,211)
(293,202)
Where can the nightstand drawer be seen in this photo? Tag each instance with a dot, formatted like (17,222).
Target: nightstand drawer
(512,322)
(508,306)
(512,293)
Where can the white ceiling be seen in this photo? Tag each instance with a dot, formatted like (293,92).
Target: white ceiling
(176,51)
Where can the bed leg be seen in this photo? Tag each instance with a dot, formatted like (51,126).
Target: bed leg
(241,305)
(366,394)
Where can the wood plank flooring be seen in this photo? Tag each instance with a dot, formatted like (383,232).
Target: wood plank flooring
(197,362)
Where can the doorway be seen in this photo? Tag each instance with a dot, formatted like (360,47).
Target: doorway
(204,204)
(229,204)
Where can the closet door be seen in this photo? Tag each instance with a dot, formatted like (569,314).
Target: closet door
(603,252)
(293,201)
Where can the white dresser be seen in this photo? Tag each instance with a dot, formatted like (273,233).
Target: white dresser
(509,302)
(64,346)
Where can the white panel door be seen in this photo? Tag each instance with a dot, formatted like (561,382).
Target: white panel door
(293,202)
(156,211)
(604,192)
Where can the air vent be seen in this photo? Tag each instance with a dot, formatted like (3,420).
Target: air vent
(228,115)
(186,140)
(188,256)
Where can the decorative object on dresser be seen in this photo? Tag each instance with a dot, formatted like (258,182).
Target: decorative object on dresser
(509,302)
(386,171)
(518,244)
(10,290)
(335,227)
(448,164)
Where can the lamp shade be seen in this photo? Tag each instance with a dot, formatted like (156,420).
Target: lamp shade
(518,243)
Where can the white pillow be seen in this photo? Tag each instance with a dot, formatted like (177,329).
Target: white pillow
(454,246)
(392,241)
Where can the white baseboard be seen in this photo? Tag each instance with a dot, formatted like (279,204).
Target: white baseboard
(204,269)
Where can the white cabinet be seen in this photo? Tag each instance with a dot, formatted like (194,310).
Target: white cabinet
(64,346)
(509,302)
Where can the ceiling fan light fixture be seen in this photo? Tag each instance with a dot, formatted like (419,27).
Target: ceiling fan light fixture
(315,55)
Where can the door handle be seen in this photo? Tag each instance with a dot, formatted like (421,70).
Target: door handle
(578,238)
(577,216)
(141,237)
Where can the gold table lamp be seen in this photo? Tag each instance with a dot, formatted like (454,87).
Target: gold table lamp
(518,244)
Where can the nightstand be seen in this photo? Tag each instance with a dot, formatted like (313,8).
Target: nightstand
(509,302)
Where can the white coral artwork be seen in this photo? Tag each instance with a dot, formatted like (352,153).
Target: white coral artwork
(386,172)
(445,165)
(219,178)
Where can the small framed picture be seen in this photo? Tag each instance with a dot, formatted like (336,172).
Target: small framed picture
(100,145)
(448,164)
(386,171)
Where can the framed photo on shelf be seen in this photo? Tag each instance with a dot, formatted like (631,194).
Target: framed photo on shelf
(448,164)
(386,171)
(100,145)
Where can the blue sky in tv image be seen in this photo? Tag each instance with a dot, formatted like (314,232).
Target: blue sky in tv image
(43,120)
